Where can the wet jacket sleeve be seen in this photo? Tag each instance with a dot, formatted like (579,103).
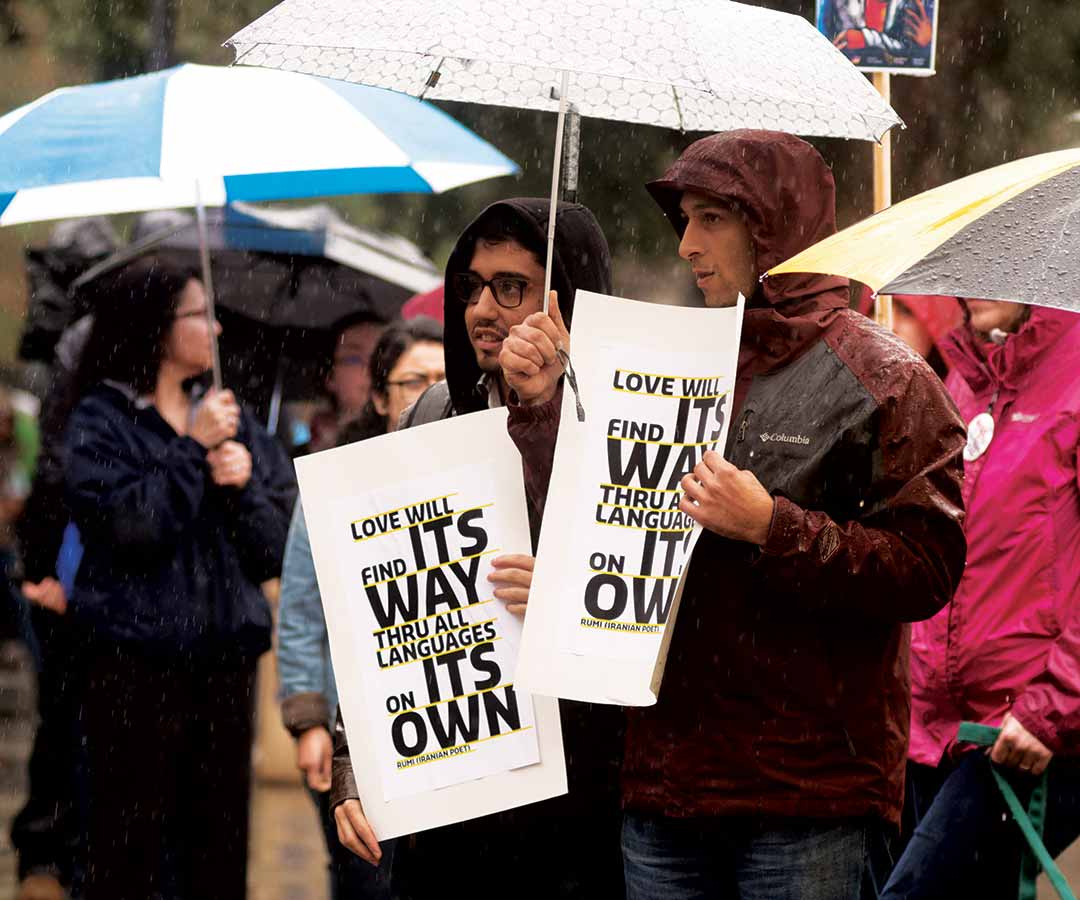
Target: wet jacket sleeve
(342,783)
(1049,707)
(111,491)
(303,663)
(533,430)
(41,525)
(259,513)
(903,559)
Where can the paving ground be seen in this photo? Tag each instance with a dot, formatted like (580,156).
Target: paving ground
(287,857)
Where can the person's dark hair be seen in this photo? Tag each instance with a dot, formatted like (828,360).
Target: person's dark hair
(504,225)
(133,312)
(360,317)
(396,339)
(335,332)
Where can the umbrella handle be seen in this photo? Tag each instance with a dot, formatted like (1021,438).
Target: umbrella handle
(555,171)
(208,283)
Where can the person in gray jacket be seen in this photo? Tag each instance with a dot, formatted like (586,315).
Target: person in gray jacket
(407,360)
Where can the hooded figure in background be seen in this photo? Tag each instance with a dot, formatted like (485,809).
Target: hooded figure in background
(922,321)
(775,753)
(567,846)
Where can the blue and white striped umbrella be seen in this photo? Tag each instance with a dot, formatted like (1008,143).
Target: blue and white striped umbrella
(174,137)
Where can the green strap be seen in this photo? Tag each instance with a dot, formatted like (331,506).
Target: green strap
(1030,821)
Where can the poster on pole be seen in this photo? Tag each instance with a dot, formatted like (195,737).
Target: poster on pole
(897,36)
(403,529)
(656,384)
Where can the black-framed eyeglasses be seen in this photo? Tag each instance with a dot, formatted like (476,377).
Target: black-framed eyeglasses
(507,290)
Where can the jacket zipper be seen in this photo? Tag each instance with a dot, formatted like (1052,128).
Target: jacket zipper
(742,428)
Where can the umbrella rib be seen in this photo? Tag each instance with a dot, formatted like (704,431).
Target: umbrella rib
(246,52)
(678,109)
(433,78)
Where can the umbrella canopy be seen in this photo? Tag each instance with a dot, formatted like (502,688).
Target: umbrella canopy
(1009,233)
(309,231)
(304,267)
(213,134)
(689,64)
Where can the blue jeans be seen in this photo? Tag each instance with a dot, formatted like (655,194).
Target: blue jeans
(744,859)
(964,844)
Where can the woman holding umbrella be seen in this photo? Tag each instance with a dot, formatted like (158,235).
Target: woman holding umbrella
(1005,652)
(182,503)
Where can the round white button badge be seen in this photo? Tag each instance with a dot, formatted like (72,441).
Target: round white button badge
(980,434)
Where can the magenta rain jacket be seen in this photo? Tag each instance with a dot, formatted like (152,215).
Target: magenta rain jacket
(1010,638)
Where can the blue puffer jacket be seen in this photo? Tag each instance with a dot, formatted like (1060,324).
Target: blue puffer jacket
(172,563)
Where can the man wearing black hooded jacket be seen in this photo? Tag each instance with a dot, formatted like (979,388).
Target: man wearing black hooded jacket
(567,846)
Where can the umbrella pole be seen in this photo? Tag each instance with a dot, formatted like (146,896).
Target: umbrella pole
(555,172)
(208,283)
(273,418)
(883,307)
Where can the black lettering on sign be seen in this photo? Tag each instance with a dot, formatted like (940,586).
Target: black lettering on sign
(605,596)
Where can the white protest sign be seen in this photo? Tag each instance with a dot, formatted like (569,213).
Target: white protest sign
(657,384)
(403,529)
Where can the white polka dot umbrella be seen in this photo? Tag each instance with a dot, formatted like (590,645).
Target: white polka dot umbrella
(696,65)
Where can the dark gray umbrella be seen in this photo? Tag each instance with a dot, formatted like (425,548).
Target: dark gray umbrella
(282,278)
(303,267)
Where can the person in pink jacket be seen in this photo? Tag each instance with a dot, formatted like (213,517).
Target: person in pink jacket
(1005,651)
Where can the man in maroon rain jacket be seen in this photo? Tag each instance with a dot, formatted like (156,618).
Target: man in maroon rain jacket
(776,750)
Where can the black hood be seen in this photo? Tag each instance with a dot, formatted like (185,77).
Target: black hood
(581,260)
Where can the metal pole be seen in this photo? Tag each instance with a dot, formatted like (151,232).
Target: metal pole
(571,153)
(208,282)
(274,415)
(555,185)
(883,308)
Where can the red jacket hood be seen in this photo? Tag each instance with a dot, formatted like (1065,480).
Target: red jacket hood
(787,193)
(983,364)
(938,314)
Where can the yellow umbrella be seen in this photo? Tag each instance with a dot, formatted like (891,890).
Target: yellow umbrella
(1009,233)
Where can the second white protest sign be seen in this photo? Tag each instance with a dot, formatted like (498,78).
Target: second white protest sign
(656,383)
